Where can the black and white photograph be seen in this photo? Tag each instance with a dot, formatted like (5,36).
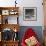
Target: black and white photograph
(30,13)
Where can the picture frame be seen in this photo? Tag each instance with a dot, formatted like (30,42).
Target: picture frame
(30,13)
(5,12)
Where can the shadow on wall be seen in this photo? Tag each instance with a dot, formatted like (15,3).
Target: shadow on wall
(37,29)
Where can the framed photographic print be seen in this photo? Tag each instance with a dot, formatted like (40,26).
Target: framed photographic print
(30,13)
(5,12)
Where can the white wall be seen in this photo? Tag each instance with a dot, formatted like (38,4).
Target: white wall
(26,3)
(38,5)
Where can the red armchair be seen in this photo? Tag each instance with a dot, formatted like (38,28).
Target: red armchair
(28,34)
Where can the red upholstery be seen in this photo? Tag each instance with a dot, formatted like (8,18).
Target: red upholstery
(29,33)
